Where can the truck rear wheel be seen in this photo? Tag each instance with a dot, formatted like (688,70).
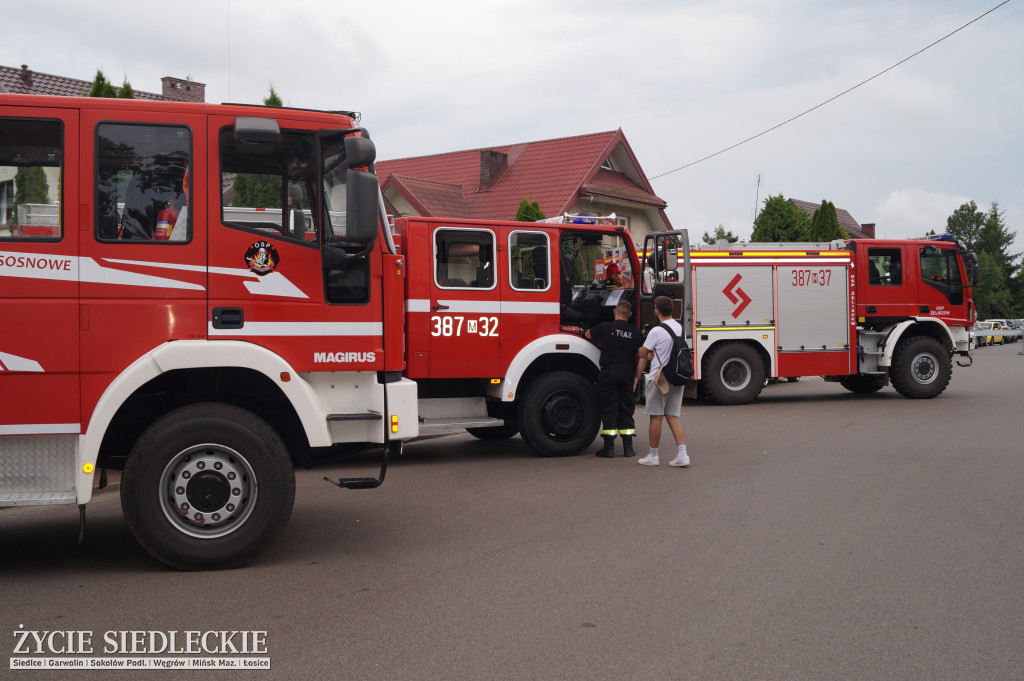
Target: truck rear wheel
(921,368)
(558,414)
(864,384)
(208,486)
(733,374)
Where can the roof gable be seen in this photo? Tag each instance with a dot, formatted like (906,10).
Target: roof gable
(555,173)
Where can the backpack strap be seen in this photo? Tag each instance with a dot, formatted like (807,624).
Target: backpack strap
(671,334)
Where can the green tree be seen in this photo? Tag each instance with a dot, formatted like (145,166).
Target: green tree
(101,87)
(273,99)
(529,211)
(719,234)
(999,291)
(31,186)
(991,295)
(257,191)
(965,224)
(779,220)
(824,225)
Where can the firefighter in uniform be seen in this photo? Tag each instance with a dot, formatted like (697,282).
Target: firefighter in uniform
(619,341)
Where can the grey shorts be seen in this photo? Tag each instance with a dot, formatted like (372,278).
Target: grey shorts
(663,404)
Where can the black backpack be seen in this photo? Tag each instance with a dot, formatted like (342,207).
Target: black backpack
(678,370)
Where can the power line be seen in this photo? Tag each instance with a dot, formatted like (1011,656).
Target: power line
(831,99)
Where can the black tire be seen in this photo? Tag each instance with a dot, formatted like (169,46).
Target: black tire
(558,414)
(495,433)
(239,494)
(921,368)
(734,373)
(864,384)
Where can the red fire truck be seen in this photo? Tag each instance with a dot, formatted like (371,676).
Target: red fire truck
(152,328)
(859,312)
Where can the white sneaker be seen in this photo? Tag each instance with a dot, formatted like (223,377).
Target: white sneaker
(680,461)
(648,461)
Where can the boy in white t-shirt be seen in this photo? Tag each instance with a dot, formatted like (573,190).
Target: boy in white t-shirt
(658,349)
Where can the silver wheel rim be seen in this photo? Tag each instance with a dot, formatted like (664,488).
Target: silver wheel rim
(925,368)
(735,373)
(208,491)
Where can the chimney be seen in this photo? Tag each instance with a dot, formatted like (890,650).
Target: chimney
(869,229)
(491,164)
(26,75)
(179,90)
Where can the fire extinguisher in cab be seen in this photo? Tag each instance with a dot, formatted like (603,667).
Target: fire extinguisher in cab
(165,223)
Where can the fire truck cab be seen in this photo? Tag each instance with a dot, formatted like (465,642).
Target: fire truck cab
(496,315)
(152,326)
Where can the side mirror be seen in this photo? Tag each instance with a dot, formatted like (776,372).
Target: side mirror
(359,151)
(361,207)
(251,129)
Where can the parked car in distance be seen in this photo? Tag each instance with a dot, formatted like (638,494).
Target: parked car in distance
(985,336)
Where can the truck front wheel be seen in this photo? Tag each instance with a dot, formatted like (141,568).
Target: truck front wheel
(733,374)
(558,414)
(921,368)
(208,486)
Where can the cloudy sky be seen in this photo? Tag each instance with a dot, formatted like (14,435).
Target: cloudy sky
(683,79)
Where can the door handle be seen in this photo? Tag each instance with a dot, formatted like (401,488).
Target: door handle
(440,307)
(228,318)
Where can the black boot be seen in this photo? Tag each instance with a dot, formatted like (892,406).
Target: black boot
(608,450)
(627,447)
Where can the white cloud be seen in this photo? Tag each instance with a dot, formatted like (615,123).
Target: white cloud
(913,212)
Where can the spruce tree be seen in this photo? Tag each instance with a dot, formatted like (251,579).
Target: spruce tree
(529,212)
(824,225)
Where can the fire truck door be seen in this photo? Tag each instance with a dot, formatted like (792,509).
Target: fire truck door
(143,278)
(269,284)
(882,283)
(465,304)
(39,267)
(940,285)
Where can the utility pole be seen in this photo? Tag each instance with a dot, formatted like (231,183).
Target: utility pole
(757,194)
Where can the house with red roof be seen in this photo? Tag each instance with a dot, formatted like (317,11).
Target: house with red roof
(596,173)
(846,221)
(25,81)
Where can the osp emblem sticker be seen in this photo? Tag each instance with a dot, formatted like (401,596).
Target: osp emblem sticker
(262,258)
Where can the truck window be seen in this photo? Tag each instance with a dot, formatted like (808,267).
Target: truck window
(529,261)
(464,258)
(31,166)
(268,188)
(142,191)
(939,267)
(884,267)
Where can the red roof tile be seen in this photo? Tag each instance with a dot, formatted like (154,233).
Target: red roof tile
(28,82)
(554,173)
